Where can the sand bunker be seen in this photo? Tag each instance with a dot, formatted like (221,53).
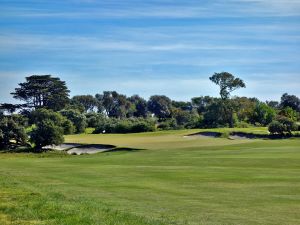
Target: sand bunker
(79,149)
(90,149)
(232,135)
(242,135)
(62,147)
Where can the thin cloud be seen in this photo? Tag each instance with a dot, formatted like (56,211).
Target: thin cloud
(36,42)
(155,9)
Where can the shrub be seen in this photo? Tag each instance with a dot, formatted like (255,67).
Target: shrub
(276,127)
(242,124)
(47,133)
(184,119)
(142,126)
(168,124)
(282,125)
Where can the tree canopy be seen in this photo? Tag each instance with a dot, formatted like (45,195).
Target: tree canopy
(160,105)
(43,91)
(227,82)
(290,101)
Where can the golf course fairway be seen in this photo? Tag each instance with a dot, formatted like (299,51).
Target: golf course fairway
(155,178)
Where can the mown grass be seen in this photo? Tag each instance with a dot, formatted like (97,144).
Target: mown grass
(174,180)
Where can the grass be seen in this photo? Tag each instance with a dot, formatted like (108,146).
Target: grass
(173,180)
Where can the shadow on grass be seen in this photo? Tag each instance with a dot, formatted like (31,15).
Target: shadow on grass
(263,136)
(99,146)
(206,134)
(243,135)
(123,149)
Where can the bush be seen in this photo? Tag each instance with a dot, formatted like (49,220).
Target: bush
(282,125)
(184,119)
(242,124)
(276,127)
(142,126)
(169,124)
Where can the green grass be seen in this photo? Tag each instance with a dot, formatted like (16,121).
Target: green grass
(173,180)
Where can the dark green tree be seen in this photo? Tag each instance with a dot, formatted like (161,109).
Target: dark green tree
(290,101)
(263,114)
(273,104)
(40,115)
(186,106)
(46,132)
(87,101)
(49,128)
(140,106)
(227,83)
(11,133)
(10,108)
(78,119)
(202,103)
(113,104)
(160,105)
(43,91)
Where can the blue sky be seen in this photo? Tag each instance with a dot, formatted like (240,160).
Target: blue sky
(151,47)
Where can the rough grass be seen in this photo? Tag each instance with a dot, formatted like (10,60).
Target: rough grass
(174,180)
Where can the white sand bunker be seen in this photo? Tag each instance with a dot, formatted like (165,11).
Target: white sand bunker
(238,137)
(242,135)
(90,149)
(78,149)
(62,147)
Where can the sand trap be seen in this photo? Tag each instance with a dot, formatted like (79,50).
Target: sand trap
(79,149)
(235,137)
(90,149)
(242,135)
(204,135)
(61,147)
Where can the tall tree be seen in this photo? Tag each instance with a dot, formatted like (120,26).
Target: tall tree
(114,104)
(227,83)
(290,101)
(43,91)
(87,101)
(160,105)
(140,106)
(202,103)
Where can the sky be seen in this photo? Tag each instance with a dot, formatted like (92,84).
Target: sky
(149,47)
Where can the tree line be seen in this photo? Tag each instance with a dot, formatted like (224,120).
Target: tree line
(47,112)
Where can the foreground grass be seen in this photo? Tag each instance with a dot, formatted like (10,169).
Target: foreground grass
(174,180)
